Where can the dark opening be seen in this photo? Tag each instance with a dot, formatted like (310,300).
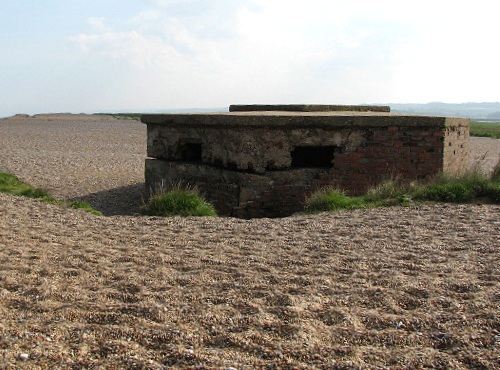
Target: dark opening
(190,152)
(313,156)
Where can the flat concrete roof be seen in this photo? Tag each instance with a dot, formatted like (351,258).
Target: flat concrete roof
(308,108)
(278,119)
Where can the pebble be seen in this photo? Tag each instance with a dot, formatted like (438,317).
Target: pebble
(24,356)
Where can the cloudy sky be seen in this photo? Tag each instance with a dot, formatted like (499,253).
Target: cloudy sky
(137,55)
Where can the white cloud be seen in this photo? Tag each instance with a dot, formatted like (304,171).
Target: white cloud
(98,24)
(207,52)
(453,58)
(132,46)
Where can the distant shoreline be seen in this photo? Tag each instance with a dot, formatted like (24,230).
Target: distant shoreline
(480,112)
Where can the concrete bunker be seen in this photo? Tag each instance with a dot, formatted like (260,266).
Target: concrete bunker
(263,161)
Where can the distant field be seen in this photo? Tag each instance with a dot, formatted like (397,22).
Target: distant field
(485,129)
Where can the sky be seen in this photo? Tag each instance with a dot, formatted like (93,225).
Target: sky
(86,56)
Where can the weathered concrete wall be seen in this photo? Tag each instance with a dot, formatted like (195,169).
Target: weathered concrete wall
(238,194)
(456,146)
(256,164)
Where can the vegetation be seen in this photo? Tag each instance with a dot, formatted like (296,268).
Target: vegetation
(484,129)
(12,185)
(128,116)
(178,202)
(332,199)
(470,187)
(133,116)
(85,206)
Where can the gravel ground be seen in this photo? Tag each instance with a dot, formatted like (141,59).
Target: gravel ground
(96,158)
(415,287)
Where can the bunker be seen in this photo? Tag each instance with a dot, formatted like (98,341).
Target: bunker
(264,160)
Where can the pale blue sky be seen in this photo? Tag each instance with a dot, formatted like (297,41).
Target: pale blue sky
(136,55)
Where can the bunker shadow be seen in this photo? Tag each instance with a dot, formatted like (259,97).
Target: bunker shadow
(122,201)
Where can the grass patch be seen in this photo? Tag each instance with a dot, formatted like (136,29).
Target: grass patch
(484,129)
(12,185)
(388,193)
(331,199)
(471,187)
(178,202)
(83,205)
(455,190)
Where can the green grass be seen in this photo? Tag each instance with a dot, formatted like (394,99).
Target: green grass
(484,129)
(178,202)
(12,185)
(331,199)
(471,187)
(455,190)
(83,205)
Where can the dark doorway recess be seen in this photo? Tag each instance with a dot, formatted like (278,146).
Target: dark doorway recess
(313,156)
(190,152)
